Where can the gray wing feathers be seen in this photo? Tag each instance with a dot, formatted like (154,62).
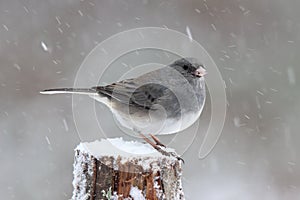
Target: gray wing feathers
(131,93)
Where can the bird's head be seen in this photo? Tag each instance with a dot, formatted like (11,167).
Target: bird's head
(189,67)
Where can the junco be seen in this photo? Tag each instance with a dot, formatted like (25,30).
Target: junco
(163,101)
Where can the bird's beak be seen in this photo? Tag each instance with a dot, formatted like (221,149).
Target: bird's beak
(200,72)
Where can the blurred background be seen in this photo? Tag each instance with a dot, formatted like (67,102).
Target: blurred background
(255,44)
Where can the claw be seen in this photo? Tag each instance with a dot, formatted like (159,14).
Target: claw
(179,158)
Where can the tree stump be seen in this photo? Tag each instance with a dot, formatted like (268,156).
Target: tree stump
(111,169)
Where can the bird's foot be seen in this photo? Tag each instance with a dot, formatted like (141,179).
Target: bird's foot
(160,146)
(157,141)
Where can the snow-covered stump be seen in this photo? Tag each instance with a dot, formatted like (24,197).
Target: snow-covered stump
(116,169)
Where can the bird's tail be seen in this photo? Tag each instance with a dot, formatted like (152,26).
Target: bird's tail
(86,91)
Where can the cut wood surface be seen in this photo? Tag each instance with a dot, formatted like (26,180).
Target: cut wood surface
(114,169)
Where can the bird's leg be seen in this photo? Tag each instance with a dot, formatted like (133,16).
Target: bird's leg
(155,146)
(149,142)
(158,146)
(157,141)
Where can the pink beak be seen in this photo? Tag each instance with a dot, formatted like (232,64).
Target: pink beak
(200,72)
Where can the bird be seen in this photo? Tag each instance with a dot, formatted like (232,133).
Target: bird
(163,101)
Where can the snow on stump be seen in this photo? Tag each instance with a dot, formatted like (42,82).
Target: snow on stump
(114,169)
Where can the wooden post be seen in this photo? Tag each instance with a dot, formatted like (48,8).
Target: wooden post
(104,171)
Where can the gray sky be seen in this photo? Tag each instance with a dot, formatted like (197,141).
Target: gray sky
(255,44)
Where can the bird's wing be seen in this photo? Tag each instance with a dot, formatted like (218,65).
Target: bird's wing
(119,91)
(150,94)
(131,93)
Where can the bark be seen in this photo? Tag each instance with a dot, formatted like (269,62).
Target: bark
(112,177)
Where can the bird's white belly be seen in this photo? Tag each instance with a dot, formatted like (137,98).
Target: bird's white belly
(156,125)
(174,125)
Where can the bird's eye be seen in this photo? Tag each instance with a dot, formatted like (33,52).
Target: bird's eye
(185,67)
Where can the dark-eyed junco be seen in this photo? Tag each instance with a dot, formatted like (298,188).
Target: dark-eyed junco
(163,101)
